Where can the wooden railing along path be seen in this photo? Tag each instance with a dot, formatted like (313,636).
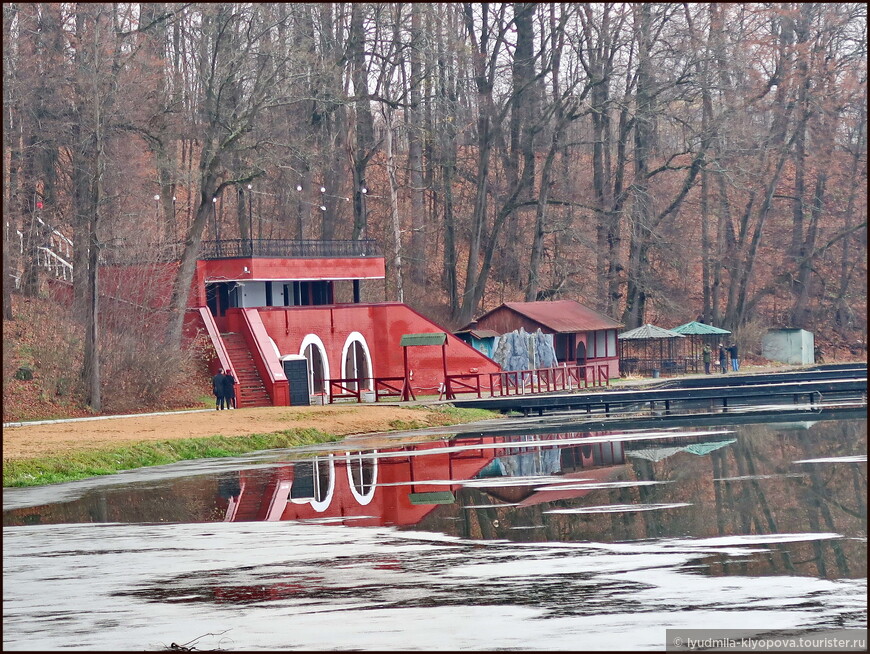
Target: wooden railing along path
(508,382)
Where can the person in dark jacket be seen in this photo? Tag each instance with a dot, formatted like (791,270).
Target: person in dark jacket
(723,359)
(229,389)
(217,387)
(707,354)
(735,363)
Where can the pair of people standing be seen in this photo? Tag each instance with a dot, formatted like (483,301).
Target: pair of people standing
(223,385)
(724,353)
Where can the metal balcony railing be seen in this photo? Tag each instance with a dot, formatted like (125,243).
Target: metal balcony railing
(289,248)
(240,248)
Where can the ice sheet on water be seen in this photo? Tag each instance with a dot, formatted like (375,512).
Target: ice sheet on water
(621,508)
(601,484)
(836,459)
(336,587)
(753,477)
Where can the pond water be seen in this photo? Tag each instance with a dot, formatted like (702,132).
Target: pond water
(570,540)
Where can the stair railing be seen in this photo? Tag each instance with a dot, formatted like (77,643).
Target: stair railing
(220,349)
(56,265)
(265,358)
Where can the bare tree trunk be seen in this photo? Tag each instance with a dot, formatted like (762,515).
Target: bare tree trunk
(415,153)
(541,211)
(445,147)
(91,366)
(642,211)
(844,315)
(394,206)
(363,146)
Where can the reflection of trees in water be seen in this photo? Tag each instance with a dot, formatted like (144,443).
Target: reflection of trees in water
(188,499)
(827,498)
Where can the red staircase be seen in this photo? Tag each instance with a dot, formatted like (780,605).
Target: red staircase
(252,391)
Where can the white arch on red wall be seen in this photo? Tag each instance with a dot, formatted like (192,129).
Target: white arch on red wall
(323,504)
(357,457)
(319,505)
(314,339)
(356,337)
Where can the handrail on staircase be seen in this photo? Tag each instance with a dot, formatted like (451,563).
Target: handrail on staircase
(270,368)
(219,347)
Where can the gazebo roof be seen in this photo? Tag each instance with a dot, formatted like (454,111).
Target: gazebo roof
(654,454)
(705,448)
(648,331)
(696,328)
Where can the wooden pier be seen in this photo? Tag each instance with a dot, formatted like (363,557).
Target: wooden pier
(720,393)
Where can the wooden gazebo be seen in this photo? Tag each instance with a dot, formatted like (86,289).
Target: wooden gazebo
(651,350)
(697,335)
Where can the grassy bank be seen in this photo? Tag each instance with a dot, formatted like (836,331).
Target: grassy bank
(82,464)
(93,463)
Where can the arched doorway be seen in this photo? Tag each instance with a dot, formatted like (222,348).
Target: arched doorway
(314,483)
(580,355)
(357,363)
(362,475)
(318,366)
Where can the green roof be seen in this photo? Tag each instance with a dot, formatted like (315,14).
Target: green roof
(432,338)
(654,454)
(648,331)
(698,328)
(705,448)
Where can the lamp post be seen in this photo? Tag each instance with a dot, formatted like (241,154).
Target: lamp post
(217,236)
(363,194)
(250,217)
(174,227)
(157,212)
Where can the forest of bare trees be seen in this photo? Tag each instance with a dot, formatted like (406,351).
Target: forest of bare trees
(656,161)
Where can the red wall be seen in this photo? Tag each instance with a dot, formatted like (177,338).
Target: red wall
(287,269)
(382,326)
(391,505)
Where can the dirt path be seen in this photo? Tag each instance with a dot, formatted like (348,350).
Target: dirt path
(59,438)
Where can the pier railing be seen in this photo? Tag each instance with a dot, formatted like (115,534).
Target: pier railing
(506,382)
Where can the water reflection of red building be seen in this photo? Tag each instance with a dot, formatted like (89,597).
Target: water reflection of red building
(401,486)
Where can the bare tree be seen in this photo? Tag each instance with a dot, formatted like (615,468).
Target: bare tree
(223,125)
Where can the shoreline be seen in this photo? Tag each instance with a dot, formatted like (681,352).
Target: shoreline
(56,451)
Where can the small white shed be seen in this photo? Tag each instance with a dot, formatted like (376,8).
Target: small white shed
(789,346)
